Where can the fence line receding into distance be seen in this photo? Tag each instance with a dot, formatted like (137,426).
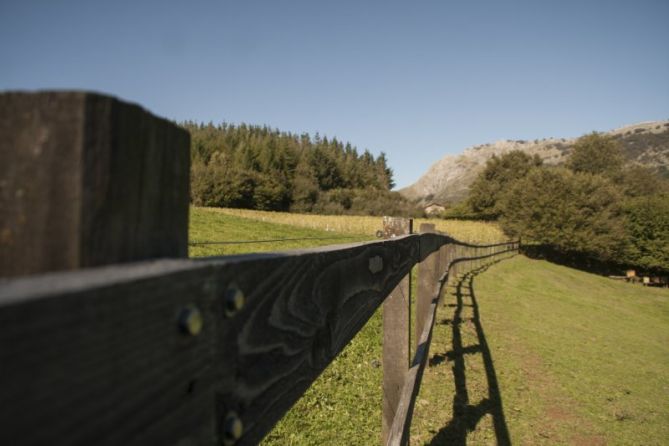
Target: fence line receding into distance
(127,350)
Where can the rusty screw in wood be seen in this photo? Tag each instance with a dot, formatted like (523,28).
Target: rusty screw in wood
(190,320)
(234,300)
(233,428)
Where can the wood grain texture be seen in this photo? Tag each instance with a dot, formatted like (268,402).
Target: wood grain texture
(135,184)
(396,332)
(96,357)
(88,180)
(40,176)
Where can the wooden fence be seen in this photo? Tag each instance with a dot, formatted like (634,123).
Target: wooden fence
(174,350)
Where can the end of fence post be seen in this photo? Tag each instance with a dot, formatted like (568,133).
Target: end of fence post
(88,180)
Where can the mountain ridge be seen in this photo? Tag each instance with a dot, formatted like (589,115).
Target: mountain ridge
(448,180)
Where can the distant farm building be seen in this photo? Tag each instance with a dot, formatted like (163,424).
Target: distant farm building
(434,208)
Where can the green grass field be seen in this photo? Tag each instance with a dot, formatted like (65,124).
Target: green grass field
(578,359)
(210,225)
(466,231)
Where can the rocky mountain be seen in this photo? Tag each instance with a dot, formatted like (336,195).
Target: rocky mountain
(448,180)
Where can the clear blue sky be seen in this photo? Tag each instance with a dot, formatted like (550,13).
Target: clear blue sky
(416,79)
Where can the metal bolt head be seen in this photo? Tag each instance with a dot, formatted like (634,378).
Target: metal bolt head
(375,264)
(190,320)
(234,300)
(233,428)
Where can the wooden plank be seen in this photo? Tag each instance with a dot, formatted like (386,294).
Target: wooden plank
(427,282)
(88,180)
(396,333)
(97,356)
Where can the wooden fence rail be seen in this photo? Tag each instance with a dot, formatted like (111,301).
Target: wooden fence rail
(186,351)
(203,350)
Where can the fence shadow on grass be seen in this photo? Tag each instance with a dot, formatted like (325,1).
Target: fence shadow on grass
(465,415)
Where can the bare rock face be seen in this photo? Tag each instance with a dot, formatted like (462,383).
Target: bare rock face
(448,180)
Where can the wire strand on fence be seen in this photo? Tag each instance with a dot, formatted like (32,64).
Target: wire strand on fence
(240,242)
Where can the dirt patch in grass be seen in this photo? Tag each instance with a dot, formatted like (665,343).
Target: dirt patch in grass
(475,387)
(580,359)
(556,421)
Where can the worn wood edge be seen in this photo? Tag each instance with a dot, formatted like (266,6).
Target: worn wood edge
(41,285)
(82,94)
(28,288)
(13,290)
(62,282)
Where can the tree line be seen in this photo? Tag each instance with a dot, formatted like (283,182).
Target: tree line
(257,167)
(596,206)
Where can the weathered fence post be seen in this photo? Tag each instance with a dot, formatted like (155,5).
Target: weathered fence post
(457,269)
(444,261)
(428,271)
(396,333)
(87,180)
(450,256)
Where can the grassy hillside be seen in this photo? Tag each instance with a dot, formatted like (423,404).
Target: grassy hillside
(466,231)
(210,225)
(577,359)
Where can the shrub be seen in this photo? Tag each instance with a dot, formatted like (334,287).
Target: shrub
(574,212)
(498,174)
(596,153)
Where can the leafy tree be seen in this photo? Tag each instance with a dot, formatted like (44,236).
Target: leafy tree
(498,174)
(270,194)
(596,153)
(368,201)
(201,184)
(305,186)
(647,225)
(384,173)
(326,168)
(258,167)
(638,181)
(573,212)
